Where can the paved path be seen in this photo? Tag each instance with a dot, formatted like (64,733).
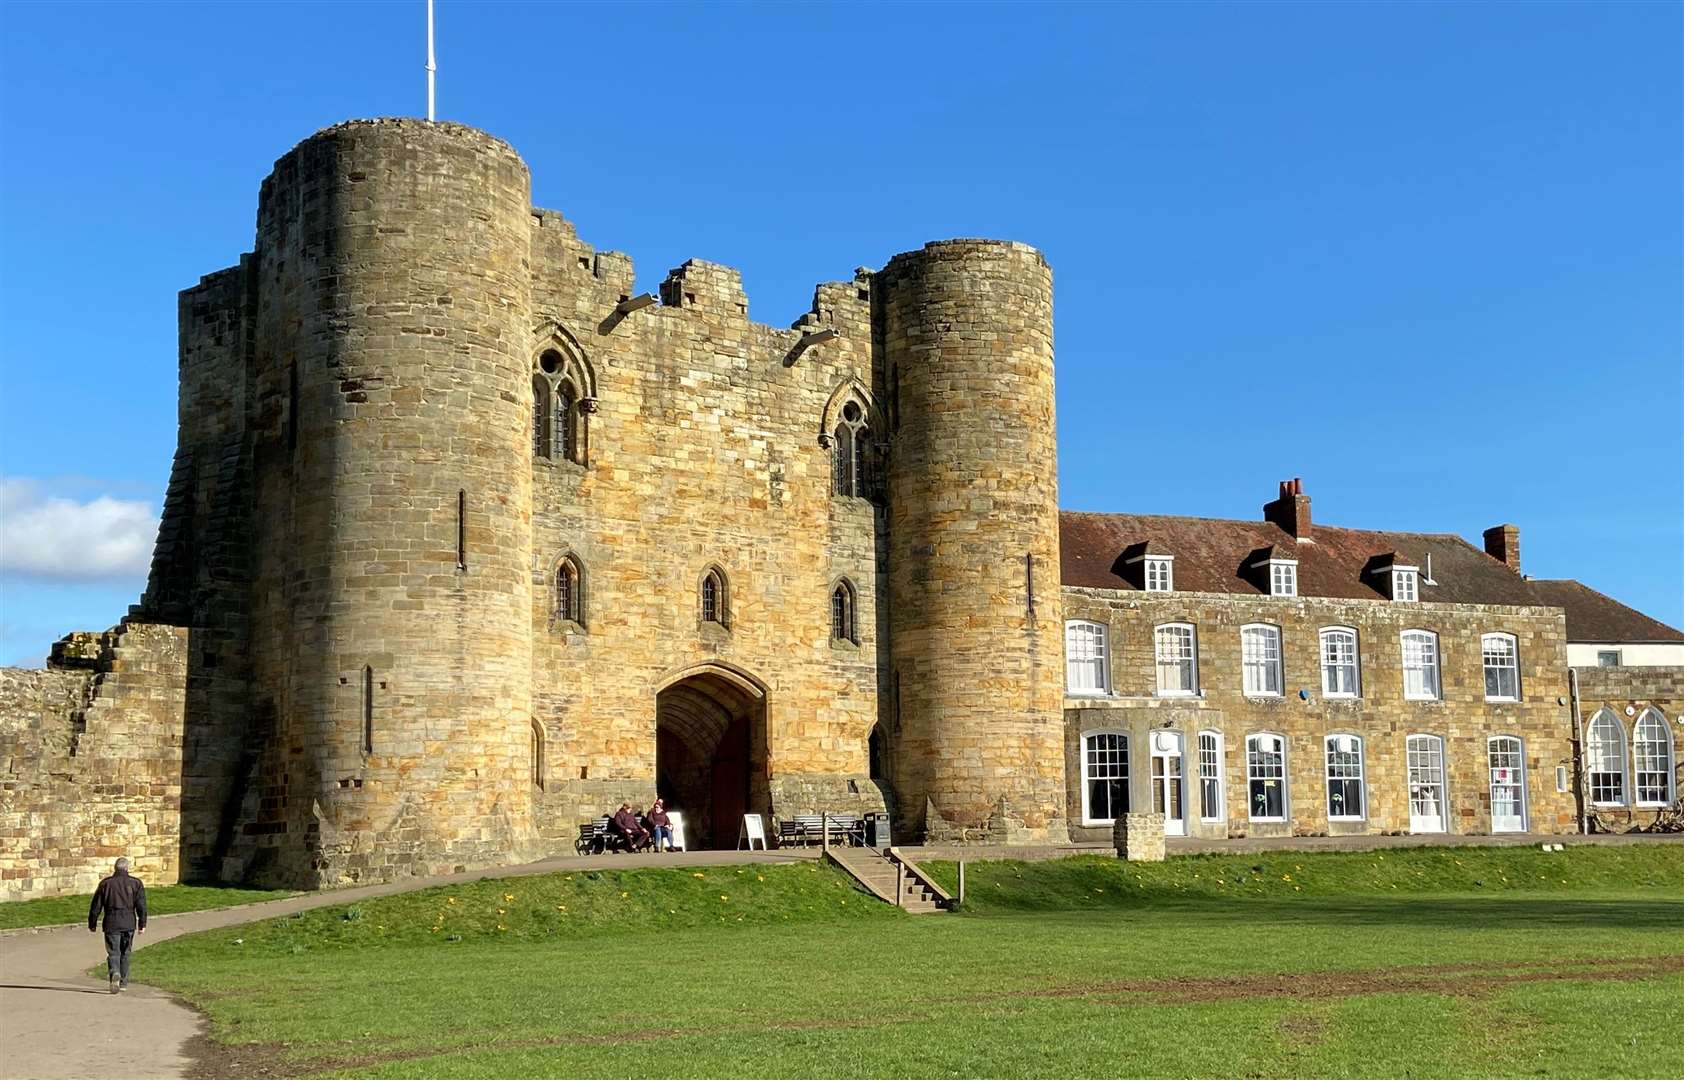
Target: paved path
(56,1023)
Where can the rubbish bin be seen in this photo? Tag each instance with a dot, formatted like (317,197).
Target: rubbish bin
(877,831)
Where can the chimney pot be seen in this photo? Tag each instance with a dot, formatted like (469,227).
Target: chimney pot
(1291,511)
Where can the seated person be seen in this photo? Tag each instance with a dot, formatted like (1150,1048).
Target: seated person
(660,825)
(625,826)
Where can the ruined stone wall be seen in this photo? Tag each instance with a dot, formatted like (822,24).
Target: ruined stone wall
(1381,715)
(388,412)
(90,762)
(705,449)
(976,628)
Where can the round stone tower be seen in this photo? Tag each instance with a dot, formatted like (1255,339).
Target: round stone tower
(391,405)
(976,619)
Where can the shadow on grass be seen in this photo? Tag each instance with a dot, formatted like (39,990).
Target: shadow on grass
(1507,913)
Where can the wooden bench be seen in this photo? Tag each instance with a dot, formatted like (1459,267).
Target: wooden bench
(595,838)
(808,829)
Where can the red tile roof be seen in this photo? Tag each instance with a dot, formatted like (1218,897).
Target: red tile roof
(1214,555)
(1593,617)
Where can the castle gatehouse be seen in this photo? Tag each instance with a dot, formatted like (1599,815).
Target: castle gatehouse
(467,541)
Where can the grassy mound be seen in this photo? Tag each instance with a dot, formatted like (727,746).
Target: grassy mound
(586,903)
(1093,881)
(160,900)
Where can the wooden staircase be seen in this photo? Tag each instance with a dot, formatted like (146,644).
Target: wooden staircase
(892,878)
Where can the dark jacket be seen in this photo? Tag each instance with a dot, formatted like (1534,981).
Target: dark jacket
(123,899)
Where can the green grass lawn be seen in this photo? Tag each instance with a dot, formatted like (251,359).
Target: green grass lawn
(1426,963)
(160,900)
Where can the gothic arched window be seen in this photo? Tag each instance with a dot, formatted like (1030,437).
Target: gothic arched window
(716,598)
(852,468)
(844,623)
(570,591)
(540,416)
(560,411)
(567,422)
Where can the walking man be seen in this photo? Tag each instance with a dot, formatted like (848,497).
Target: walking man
(123,899)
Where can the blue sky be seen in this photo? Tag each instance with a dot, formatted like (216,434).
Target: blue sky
(1427,257)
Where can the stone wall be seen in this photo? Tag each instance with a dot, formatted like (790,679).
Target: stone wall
(90,762)
(1626,694)
(1380,716)
(705,448)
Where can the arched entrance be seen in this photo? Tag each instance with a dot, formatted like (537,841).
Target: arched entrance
(710,751)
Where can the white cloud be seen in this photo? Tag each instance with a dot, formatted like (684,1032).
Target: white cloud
(61,539)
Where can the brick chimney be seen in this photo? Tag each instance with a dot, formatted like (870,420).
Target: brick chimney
(1502,542)
(1292,510)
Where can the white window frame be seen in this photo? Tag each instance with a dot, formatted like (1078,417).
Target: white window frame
(1265,660)
(1421,751)
(1323,636)
(1661,761)
(1254,775)
(1088,777)
(1434,667)
(1164,631)
(1602,656)
(1160,573)
(1344,772)
(1406,584)
(1519,781)
(1093,638)
(1210,772)
(1283,577)
(1604,749)
(1491,646)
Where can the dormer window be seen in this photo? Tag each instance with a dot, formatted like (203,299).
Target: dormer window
(1405,584)
(1149,566)
(1275,569)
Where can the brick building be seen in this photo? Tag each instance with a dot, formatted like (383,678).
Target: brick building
(466,541)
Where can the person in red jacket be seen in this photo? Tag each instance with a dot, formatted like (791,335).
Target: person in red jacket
(624,822)
(660,825)
(123,900)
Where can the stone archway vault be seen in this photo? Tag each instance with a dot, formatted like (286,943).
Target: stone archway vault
(710,751)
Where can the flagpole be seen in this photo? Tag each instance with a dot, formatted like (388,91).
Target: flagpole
(432,68)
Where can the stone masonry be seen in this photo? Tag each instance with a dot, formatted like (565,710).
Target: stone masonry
(1380,716)
(90,761)
(466,541)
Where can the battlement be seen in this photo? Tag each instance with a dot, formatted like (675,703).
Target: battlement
(430,130)
(964,245)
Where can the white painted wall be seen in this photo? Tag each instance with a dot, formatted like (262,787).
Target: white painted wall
(1631,655)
